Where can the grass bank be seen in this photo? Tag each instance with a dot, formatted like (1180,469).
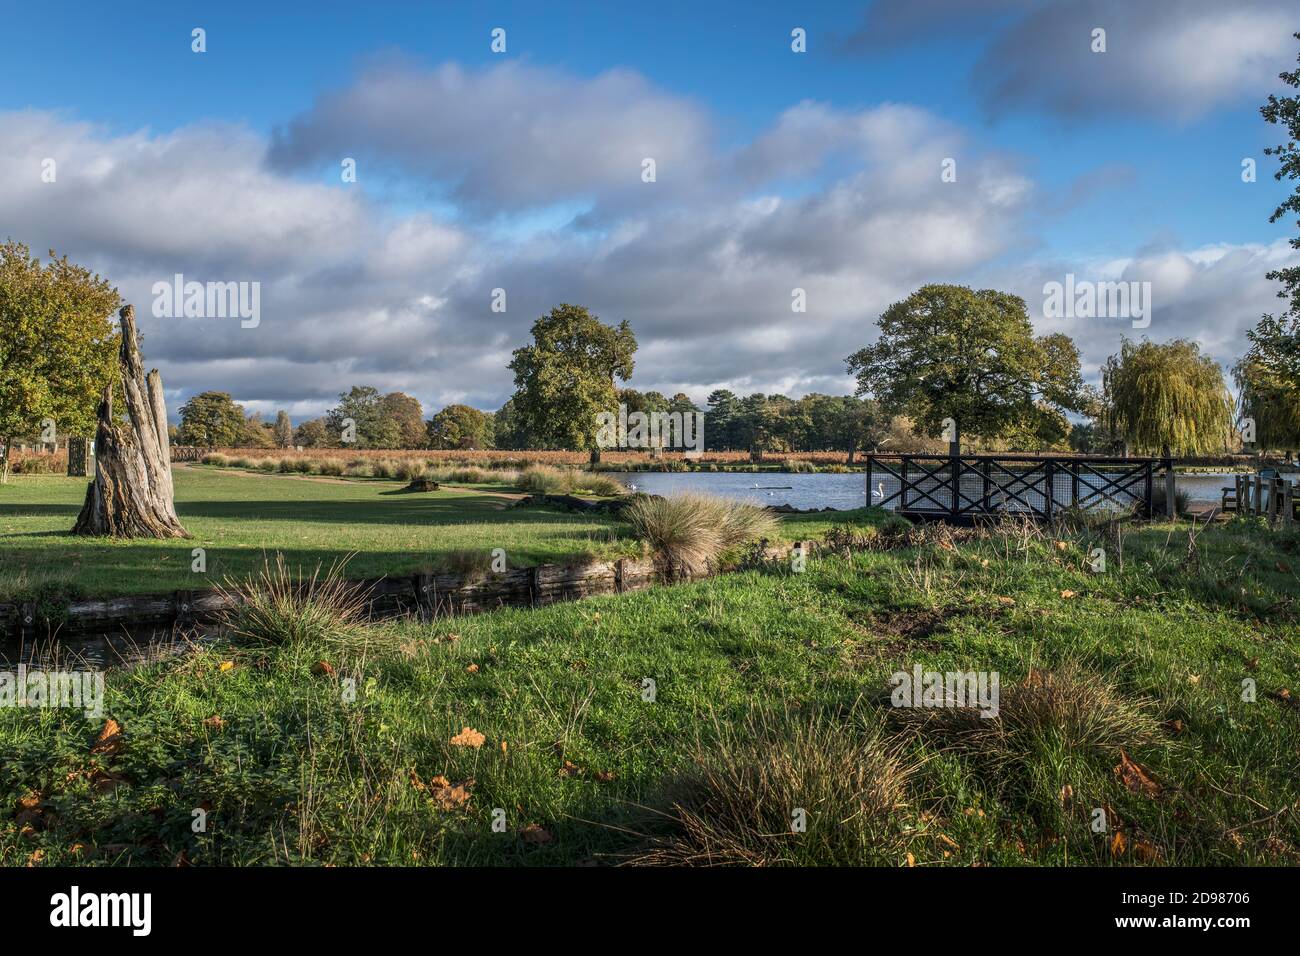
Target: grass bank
(689,724)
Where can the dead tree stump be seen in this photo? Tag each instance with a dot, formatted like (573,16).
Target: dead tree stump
(131,496)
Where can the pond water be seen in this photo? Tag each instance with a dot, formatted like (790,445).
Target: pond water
(841,492)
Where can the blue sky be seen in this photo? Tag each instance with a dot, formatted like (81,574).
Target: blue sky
(1068,161)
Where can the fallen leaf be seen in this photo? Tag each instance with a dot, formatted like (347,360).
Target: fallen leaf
(605,776)
(449,796)
(214,722)
(504,746)
(1007,601)
(1146,851)
(1069,594)
(1175,726)
(1067,794)
(1062,546)
(911,860)
(1193,678)
(984,563)
(468,737)
(948,840)
(570,769)
(1118,844)
(225,666)
(109,740)
(1134,777)
(472,669)
(323,669)
(36,858)
(535,833)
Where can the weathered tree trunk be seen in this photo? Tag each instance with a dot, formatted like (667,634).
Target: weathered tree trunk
(131,496)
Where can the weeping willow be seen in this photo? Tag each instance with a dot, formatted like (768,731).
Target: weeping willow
(1273,403)
(1167,399)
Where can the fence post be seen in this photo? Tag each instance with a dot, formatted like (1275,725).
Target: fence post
(1170,488)
(1049,478)
(870,462)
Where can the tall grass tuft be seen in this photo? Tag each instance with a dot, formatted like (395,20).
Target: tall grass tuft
(733,805)
(1067,711)
(688,531)
(286,608)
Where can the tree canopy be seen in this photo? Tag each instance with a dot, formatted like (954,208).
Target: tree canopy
(212,420)
(1167,397)
(951,352)
(58,343)
(460,427)
(566,378)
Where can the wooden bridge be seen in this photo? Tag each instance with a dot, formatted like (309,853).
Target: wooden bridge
(963,488)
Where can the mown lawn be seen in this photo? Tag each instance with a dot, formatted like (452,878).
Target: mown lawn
(239,517)
(1121,692)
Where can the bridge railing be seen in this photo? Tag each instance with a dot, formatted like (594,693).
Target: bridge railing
(1040,486)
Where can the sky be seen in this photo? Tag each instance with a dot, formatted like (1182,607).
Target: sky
(981,142)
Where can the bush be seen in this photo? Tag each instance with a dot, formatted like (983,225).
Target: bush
(216,458)
(733,805)
(688,531)
(1158,499)
(409,469)
(40,465)
(358,469)
(331,466)
(798,466)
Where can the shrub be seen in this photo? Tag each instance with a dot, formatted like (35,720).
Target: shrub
(301,466)
(688,531)
(358,469)
(408,469)
(594,484)
(285,465)
(798,466)
(732,805)
(1158,498)
(542,480)
(267,464)
(331,466)
(40,465)
(216,458)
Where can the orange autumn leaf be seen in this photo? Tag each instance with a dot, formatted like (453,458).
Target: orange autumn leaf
(109,740)
(468,737)
(225,666)
(323,669)
(911,860)
(472,669)
(214,722)
(1134,777)
(535,833)
(1118,844)
(1067,594)
(449,796)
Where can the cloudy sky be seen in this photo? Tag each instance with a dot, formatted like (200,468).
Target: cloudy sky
(522,170)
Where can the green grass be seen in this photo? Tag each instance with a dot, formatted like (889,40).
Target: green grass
(237,516)
(241,517)
(750,671)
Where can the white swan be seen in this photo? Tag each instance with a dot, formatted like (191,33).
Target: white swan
(880,491)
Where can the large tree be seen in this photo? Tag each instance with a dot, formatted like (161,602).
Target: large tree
(566,378)
(951,352)
(407,412)
(1284,111)
(362,408)
(1271,402)
(283,429)
(213,420)
(58,345)
(460,427)
(1167,398)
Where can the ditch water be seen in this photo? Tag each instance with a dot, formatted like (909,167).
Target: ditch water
(841,492)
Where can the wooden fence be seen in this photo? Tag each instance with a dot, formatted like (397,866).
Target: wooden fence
(1272,497)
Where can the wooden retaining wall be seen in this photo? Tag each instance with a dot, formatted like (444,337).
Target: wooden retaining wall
(424,595)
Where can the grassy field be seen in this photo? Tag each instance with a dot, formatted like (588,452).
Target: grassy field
(239,517)
(1121,695)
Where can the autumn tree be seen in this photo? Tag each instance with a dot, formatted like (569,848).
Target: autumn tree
(460,427)
(58,346)
(567,377)
(283,429)
(407,413)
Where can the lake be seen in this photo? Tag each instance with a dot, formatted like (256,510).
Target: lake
(841,492)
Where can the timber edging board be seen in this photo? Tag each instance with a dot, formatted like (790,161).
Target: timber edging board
(426,595)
